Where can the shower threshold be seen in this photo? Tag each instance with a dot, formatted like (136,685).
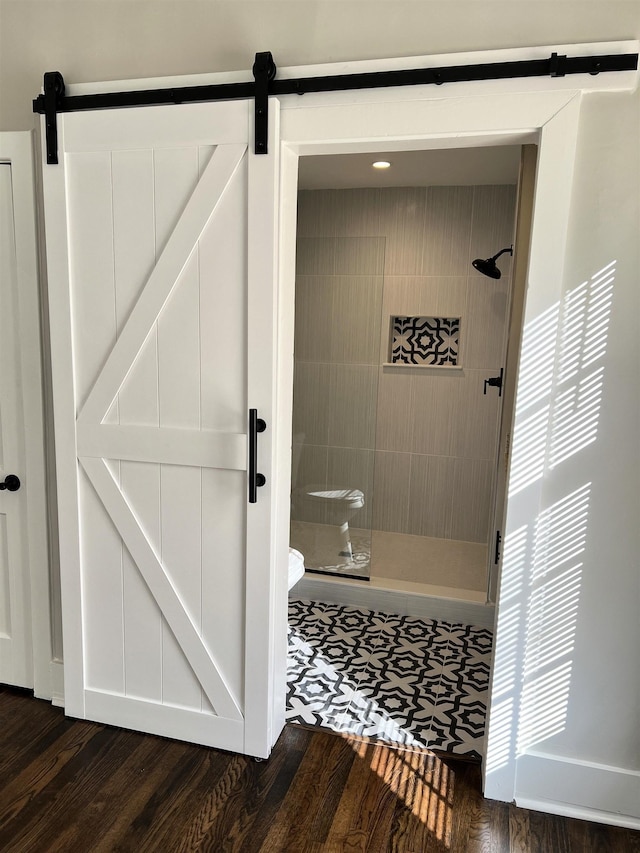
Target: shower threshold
(331,572)
(394,558)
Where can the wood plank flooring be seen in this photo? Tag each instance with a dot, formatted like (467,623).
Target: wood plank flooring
(76,787)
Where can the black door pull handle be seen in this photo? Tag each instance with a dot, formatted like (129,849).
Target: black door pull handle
(11,483)
(256,480)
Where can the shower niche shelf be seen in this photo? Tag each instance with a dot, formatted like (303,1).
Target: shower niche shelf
(425,342)
(435,368)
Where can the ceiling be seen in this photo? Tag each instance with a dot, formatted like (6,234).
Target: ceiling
(435,167)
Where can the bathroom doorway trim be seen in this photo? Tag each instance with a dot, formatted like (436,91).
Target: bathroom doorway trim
(549,120)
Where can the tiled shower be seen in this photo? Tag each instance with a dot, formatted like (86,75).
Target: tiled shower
(382,274)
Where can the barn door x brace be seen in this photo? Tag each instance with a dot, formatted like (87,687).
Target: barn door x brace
(54,100)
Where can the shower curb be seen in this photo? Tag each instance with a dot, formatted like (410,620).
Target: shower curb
(403,603)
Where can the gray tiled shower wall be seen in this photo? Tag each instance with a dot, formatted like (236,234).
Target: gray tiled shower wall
(420,443)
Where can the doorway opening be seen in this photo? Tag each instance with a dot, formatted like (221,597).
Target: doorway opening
(399,347)
(398,342)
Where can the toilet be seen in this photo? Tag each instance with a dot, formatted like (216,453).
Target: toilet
(337,505)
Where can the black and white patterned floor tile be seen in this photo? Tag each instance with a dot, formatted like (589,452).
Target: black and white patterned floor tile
(400,679)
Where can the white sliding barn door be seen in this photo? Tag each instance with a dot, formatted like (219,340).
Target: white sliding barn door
(160,227)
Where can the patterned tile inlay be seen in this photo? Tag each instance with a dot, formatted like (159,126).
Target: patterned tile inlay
(399,679)
(425,340)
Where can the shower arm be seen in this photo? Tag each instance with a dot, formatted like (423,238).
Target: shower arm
(501,252)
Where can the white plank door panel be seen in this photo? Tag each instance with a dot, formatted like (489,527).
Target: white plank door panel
(167,571)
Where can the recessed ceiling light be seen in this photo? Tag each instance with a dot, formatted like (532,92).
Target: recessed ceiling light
(381,164)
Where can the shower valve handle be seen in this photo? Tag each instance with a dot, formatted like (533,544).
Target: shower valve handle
(495,382)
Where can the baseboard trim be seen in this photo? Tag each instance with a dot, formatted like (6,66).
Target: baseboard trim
(567,810)
(403,603)
(579,789)
(57,683)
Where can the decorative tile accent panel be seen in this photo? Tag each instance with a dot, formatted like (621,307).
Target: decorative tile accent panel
(426,341)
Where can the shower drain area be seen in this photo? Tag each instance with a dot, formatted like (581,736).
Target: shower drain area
(397,679)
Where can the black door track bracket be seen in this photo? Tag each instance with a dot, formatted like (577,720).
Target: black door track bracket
(264,70)
(557,65)
(53,94)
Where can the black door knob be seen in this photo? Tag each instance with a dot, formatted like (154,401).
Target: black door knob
(11,483)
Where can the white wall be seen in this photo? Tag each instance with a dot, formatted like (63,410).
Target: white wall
(102,40)
(117,39)
(570,585)
(603,723)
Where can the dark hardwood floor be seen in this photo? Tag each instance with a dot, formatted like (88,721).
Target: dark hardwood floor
(74,786)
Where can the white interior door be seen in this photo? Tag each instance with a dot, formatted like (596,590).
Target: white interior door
(160,227)
(15,618)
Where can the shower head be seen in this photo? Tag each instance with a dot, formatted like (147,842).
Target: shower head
(488,266)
